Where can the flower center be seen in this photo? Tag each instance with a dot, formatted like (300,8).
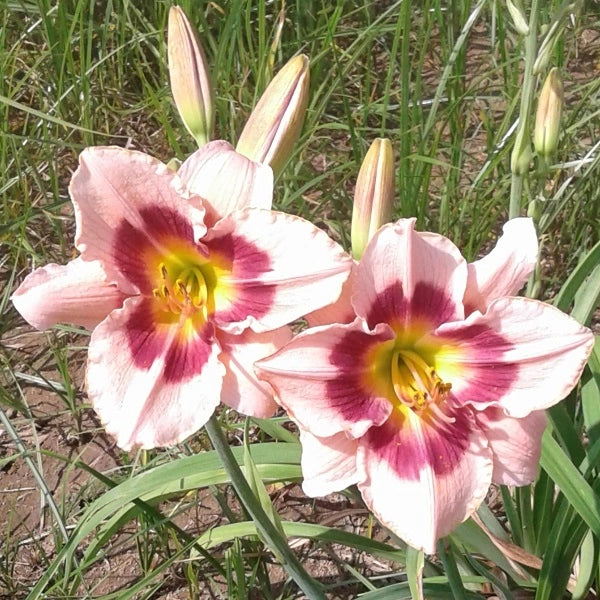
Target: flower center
(182,289)
(417,385)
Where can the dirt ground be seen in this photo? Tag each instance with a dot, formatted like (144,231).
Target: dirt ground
(26,522)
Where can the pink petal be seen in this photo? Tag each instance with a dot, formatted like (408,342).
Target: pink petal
(76,293)
(409,279)
(323,378)
(241,388)
(226,180)
(138,252)
(341,310)
(328,464)
(516,444)
(152,382)
(505,270)
(522,355)
(124,199)
(281,267)
(422,479)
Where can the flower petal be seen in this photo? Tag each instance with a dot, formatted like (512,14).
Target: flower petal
(522,355)
(341,311)
(241,388)
(505,270)
(515,443)
(226,180)
(422,479)
(409,279)
(280,268)
(76,293)
(328,464)
(323,379)
(124,199)
(152,381)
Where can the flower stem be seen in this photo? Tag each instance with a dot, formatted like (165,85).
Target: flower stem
(516,187)
(516,193)
(311,588)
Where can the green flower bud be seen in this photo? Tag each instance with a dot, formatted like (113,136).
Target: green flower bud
(521,154)
(534,210)
(374,194)
(519,21)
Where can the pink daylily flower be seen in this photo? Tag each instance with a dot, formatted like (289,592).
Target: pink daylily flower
(186,279)
(437,387)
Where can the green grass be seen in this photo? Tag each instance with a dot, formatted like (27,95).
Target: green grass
(442,81)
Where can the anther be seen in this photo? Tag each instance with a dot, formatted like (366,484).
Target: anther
(182,287)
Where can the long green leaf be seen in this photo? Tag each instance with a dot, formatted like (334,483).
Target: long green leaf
(587,565)
(226,533)
(587,298)
(415,561)
(567,292)
(434,588)
(571,482)
(590,401)
(179,476)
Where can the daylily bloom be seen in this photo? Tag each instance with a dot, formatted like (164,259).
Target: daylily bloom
(183,292)
(438,386)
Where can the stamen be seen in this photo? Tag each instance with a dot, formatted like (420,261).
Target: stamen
(184,294)
(414,372)
(397,382)
(417,385)
(440,414)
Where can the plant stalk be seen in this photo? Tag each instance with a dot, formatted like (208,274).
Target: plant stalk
(311,588)
(516,184)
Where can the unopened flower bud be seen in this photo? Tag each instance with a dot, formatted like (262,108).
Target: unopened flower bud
(518,18)
(374,194)
(190,78)
(534,210)
(521,154)
(276,121)
(551,35)
(547,119)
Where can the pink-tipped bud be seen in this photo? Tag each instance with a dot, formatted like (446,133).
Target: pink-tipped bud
(276,121)
(547,119)
(374,194)
(190,78)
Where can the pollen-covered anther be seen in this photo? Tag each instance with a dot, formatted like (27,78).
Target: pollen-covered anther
(186,296)
(417,385)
